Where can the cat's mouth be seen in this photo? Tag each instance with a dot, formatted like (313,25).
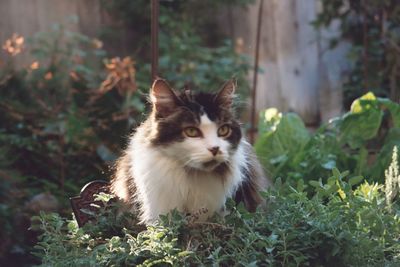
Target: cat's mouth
(211,164)
(208,166)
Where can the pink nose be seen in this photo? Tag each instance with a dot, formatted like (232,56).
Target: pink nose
(214,150)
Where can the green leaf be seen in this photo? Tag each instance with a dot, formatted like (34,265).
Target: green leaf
(382,161)
(336,173)
(394,109)
(316,184)
(355,180)
(300,185)
(356,128)
(282,139)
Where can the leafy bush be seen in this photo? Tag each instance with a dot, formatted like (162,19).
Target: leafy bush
(60,125)
(343,227)
(53,111)
(360,140)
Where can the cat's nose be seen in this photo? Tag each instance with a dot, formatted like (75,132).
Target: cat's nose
(214,150)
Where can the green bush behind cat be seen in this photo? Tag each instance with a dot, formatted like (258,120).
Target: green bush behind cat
(361,141)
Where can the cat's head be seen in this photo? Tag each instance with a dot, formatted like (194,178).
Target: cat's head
(197,129)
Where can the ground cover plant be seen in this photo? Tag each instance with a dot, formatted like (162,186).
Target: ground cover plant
(316,216)
(339,227)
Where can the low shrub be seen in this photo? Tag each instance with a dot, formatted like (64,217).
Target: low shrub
(338,226)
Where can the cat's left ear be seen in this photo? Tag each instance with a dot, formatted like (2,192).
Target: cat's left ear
(224,97)
(163,98)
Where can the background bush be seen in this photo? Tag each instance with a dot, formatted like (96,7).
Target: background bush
(360,141)
(67,114)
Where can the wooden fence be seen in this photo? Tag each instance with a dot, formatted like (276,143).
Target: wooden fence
(297,75)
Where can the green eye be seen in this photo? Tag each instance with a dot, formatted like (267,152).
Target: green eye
(224,130)
(192,132)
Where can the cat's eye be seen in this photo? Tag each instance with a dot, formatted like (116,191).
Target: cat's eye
(224,130)
(192,132)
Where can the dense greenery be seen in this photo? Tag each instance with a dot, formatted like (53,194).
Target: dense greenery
(360,141)
(50,135)
(339,226)
(372,28)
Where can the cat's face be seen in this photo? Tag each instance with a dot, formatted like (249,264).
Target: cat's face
(197,130)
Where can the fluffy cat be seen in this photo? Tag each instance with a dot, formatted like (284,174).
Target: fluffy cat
(190,155)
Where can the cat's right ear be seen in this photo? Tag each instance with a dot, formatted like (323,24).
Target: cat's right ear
(224,97)
(163,98)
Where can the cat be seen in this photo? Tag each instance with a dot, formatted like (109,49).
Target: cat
(189,155)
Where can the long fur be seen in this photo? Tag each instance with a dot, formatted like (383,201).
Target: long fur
(152,176)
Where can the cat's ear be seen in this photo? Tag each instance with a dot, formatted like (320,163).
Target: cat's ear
(163,98)
(224,97)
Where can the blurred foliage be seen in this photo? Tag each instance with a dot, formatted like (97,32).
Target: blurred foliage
(192,50)
(202,16)
(60,126)
(339,226)
(361,140)
(373,29)
(65,116)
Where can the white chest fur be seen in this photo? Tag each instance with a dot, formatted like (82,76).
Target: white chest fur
(162,184)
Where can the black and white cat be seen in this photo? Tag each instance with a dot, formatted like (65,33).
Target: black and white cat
(190,155)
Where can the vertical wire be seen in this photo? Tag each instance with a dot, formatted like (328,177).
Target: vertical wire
(255,77)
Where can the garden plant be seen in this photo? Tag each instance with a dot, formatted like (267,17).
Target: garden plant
(66,115)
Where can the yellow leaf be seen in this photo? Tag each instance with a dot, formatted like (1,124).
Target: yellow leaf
(356,105)
(341,193)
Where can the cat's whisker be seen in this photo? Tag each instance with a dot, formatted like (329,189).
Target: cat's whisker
(197,155)
(188,162)
(199,158)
